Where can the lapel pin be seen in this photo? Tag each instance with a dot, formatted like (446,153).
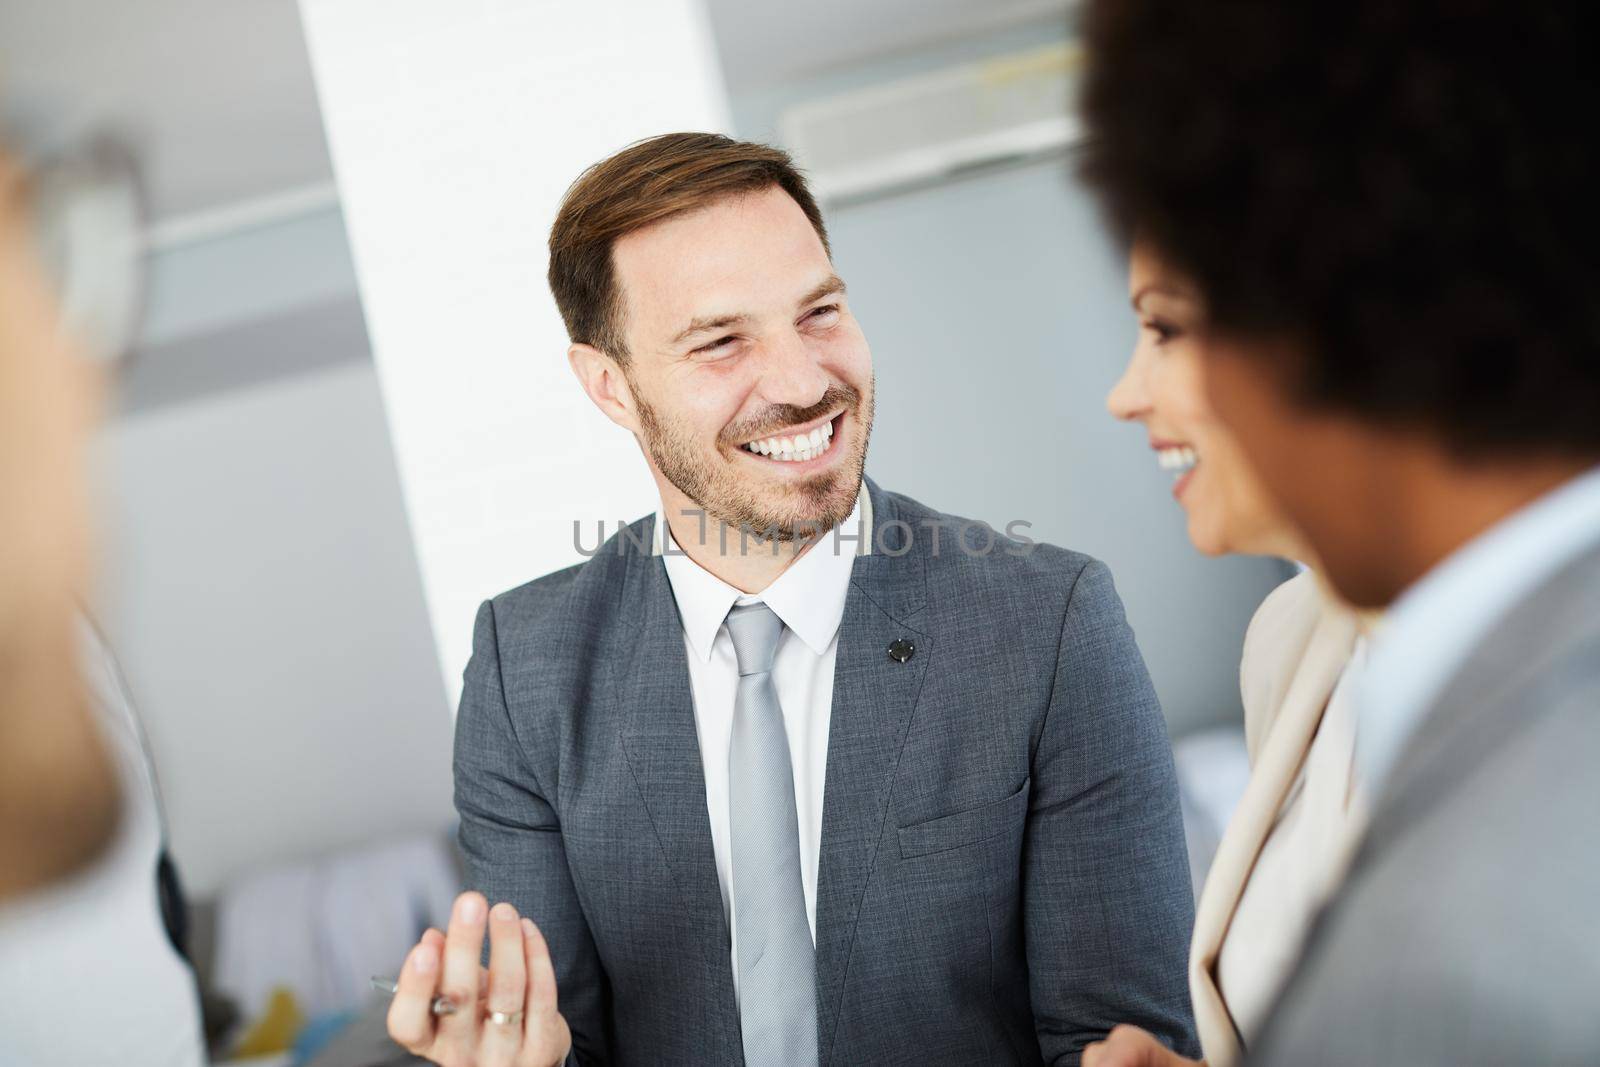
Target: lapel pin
(900,649)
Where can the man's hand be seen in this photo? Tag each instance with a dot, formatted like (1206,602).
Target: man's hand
(1129,1046)
(520,979)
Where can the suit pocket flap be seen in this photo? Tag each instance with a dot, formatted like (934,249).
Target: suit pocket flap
(964,827)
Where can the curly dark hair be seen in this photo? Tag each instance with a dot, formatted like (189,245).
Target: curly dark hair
(1399,191)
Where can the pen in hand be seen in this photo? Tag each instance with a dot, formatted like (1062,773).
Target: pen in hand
(441,1005)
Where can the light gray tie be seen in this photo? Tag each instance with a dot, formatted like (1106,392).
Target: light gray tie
(777,962)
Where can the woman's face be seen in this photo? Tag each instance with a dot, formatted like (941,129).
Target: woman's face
(1163,388)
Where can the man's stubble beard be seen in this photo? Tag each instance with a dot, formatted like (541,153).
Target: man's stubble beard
(826,499)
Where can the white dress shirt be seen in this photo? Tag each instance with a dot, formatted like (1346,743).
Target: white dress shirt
(1435,624)
(87,971)
(809,597)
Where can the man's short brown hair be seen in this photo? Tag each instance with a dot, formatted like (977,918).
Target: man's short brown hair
(646,182)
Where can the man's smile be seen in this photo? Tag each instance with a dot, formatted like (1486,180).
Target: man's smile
(798,445)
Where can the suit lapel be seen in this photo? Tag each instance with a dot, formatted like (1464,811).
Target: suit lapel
(874,696)
(1282,755)
(662,745)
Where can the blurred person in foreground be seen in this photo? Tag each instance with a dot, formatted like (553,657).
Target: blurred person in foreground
(113,934)
(91,968)
(1386,211)
(58,789)
(772,795)
(1286,843)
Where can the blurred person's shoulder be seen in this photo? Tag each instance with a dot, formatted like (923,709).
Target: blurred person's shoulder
(1475,849)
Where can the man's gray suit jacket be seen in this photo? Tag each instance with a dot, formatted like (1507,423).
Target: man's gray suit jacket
(1002,875)
(1468,929)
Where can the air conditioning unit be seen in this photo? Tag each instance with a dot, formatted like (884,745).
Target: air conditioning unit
(887,137)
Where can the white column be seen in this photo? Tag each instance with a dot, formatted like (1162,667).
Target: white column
(455,127)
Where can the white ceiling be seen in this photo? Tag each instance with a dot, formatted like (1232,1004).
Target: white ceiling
(218,96)
(767,42)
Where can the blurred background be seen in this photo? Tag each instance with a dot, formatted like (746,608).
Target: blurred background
(298,516)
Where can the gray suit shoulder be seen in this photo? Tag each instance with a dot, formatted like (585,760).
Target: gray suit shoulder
(556,598)
(985,566)
(543,594)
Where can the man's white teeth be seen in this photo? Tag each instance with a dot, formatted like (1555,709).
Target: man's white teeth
(1179,461)
(796,448)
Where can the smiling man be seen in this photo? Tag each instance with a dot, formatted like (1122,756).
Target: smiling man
(789,773)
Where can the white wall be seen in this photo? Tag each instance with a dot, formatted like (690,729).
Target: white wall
(454,130)
(262,594)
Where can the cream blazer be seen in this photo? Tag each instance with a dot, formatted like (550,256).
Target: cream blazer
(1296,648)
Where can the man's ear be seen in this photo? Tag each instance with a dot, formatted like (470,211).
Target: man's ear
(605,383)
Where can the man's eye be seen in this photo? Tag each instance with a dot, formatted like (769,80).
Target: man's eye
(715,346)
(824,313)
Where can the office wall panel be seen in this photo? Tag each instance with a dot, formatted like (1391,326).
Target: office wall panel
(454,130)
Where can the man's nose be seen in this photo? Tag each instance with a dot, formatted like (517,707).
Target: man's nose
(792,373)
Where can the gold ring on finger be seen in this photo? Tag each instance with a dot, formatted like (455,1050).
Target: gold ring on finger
(506,1018)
